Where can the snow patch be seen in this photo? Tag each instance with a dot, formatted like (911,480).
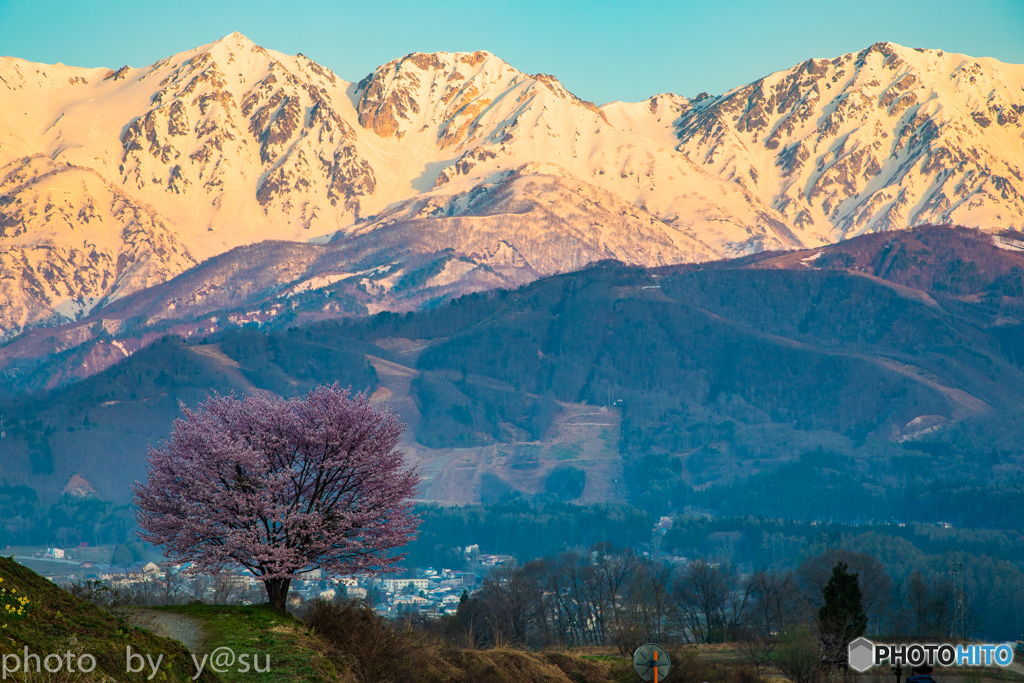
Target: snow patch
(318,282)
(1008,243)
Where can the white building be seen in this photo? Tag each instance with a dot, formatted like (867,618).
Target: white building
(410,600)
(399,584)
(55,553)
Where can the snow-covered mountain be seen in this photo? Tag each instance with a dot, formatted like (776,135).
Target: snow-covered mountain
(112,182)
(883,139)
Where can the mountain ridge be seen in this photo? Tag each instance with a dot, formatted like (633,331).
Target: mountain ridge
(460,157)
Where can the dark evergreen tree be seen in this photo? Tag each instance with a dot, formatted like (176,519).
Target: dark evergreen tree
(843,609)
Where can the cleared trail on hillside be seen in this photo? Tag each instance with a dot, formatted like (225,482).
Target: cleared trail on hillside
(185,630)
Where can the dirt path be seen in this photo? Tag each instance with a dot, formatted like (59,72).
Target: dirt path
(184,629)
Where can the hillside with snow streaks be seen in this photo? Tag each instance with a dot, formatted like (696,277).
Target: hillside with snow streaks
(460,166)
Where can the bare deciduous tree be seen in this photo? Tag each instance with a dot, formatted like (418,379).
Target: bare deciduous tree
(710,602)
(875,585)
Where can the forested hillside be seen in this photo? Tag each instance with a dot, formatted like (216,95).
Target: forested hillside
(814,384)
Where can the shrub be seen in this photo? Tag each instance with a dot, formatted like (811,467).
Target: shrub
(797,655)
(366,646)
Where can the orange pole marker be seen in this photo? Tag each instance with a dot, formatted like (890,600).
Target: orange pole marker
(655,666)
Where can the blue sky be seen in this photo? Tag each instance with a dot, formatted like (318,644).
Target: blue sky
(600,50)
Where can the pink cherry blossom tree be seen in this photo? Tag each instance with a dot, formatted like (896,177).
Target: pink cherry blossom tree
(281,487)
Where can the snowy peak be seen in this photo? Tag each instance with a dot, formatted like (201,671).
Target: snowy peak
(449,92)
(876,140)
(555,86)
(114,179)
(232,108)
(422,90)
(243,62)
(232,42)
(218,146)
(64,251)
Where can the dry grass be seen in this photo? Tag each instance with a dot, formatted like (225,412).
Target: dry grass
(365,648)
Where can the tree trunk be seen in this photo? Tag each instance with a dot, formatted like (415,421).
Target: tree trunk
(277,592)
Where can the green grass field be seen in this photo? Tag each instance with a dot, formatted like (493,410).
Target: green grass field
(263,634)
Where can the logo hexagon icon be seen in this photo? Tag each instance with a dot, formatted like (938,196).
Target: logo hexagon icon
(861,654)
